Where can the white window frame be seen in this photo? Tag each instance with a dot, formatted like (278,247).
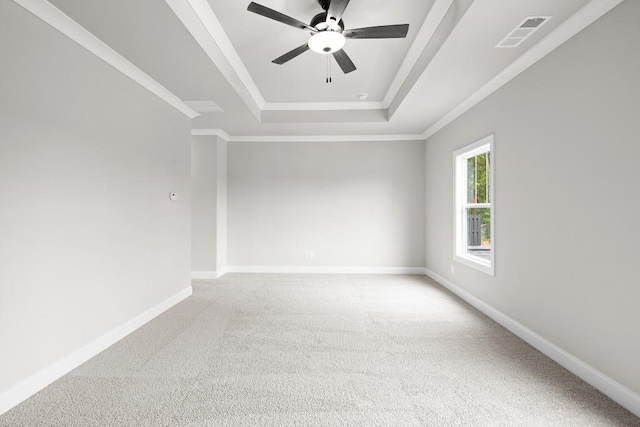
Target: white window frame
(460,157)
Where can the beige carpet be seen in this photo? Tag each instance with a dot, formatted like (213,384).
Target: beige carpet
(315,350)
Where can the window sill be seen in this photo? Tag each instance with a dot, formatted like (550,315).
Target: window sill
(479,264)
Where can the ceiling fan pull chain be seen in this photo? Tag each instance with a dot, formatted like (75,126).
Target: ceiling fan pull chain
(328,71)
(329,67)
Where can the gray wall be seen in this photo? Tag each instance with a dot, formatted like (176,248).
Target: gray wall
(204,188)
(88,236)
(567,156)
(221,207)
(357,204)
(209,204)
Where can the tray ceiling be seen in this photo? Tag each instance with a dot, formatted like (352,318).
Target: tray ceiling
(259,40)
(216,53)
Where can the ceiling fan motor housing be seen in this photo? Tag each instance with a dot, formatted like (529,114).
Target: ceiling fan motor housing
(320,22)
(324,4)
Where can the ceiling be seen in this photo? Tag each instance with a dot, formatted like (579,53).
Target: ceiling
(215,50)
(259,40)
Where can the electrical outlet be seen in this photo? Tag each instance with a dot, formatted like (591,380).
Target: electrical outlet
(173,196)
(453,269)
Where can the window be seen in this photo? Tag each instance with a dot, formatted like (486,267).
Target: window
(474,216)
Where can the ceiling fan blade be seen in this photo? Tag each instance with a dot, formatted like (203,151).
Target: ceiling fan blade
(344,61)
(382,32)
(336,9)
(292,54)
(277,16)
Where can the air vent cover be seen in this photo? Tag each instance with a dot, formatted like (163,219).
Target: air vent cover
(533,22)
(523,31)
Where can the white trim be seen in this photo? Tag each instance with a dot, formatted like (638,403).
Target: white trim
(475,263)
(36,382)
(434,17)
(460,157)
(304,138)
(202,23)
(576,23)
(226,58)
(324,106)
(324,270)
(326,138)
(222,271)
(211,132)
(616,391)
(70,28)
(205,106)
(203,10)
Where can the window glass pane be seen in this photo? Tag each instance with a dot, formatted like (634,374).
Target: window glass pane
(471,180)
(487,173)
(478,179)
(478,222)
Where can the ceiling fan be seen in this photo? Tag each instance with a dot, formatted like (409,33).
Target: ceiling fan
(328,35)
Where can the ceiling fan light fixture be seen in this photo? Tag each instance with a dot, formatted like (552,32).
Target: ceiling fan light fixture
(326,42)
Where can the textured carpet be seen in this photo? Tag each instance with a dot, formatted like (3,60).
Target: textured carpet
(320,350)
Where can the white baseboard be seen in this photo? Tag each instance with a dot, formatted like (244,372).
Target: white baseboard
(208,275)
(324,270)
(616,391)
(36,382)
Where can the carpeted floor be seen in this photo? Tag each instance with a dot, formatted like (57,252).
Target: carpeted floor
(320,350)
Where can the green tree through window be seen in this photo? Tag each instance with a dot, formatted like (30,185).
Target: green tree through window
(474,219)
(478,182)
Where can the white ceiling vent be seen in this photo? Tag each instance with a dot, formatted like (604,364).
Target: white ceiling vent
(523,31)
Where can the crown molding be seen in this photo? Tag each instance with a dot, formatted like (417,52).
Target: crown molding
(211,132)
(572,26)
(200,20)
(323,106)
(436,14)
(304,138)
(576,23)
(205,106)
(70,28)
